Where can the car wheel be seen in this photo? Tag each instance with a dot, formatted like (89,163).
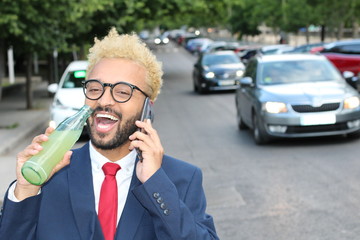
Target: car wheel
(260,136)
(201,90)
(240,123)
(196,89)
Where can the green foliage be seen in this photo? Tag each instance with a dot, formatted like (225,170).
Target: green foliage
(244,20)
(41,26)
(290,15)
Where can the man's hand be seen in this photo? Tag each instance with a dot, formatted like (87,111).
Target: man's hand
(24,189)
(148,142)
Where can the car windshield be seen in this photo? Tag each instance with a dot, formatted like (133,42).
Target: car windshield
(214,59)
(297,71)
(74,79)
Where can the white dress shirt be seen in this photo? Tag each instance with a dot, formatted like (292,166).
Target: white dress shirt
(123,178)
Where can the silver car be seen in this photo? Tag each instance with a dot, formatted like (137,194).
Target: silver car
(296,95)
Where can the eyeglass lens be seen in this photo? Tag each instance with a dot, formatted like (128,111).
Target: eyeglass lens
(121,92)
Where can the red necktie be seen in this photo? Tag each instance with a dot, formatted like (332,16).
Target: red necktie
(108,204)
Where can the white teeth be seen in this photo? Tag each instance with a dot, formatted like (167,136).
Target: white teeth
(107,116)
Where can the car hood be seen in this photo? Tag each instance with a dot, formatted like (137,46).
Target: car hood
(307,93)
(70,97)
(226,67)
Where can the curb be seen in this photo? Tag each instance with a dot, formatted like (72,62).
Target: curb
(24,132)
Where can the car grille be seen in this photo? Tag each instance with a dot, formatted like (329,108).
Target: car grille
(317,128)
(226,75)
(323,108)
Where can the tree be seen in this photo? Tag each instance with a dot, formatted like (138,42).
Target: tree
(243,20)
(41,26)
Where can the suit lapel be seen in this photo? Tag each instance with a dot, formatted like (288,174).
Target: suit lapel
(82,194)
(132,213)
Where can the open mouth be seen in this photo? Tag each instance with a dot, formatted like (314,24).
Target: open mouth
(105,122)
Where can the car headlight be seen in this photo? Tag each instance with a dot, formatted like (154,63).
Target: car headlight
(210,75)
(239,73)
(275,107)
(157,41)
(165,40)
(351,102)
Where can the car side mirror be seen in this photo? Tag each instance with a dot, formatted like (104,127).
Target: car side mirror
(350,78)
(348,74)
(52,88)
(247,82)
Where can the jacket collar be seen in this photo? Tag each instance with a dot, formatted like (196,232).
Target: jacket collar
(82,194)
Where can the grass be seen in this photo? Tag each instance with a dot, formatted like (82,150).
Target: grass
(11,126)
(6,84)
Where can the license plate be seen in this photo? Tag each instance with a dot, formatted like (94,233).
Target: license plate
(226,82)
(317,119)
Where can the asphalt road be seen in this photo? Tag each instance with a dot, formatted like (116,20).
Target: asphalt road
(304,189)
(299,189)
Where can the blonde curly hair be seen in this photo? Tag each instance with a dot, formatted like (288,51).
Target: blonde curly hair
(128,46)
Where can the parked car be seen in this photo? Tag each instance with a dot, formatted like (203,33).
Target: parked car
(275,49)
(184,38)
(306,48)
(213,46)
(144,35)
(219,70)
(69,96)
(248,53)
(345,55)
(194,45)
(223,46)
(295,95)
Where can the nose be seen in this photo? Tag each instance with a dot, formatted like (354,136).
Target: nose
(107,98)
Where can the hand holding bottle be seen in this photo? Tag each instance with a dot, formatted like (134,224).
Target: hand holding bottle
(39,167)
(24,189)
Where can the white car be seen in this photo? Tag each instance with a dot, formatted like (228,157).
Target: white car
(69,96)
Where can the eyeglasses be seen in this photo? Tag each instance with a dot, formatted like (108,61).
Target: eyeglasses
(120,91)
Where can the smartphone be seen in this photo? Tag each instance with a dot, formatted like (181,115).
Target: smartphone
(147,113)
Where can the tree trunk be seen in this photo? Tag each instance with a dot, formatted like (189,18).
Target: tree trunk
(29,92)
(340,31)
(355,29)
(322,36)
(82,54)
(307,34)
(2,64)
(50,69)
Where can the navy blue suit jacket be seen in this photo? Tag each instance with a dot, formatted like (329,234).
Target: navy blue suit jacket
(65,209)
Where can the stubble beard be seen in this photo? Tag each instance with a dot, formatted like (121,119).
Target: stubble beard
(121,137)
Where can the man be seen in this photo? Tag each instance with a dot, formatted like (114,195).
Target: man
(158,197)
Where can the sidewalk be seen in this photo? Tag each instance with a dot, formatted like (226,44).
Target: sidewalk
(16,122)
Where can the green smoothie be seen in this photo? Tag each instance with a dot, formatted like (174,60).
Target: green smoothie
(37,169)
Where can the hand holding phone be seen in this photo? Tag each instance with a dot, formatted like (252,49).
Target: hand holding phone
(147,113)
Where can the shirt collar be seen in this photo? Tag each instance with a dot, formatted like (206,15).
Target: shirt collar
(98,160)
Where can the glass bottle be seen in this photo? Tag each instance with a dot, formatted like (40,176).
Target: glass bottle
(37,169)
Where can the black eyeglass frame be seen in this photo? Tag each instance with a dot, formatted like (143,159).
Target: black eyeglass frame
(111,89)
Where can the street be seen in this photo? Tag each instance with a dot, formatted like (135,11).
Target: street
(303,189)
